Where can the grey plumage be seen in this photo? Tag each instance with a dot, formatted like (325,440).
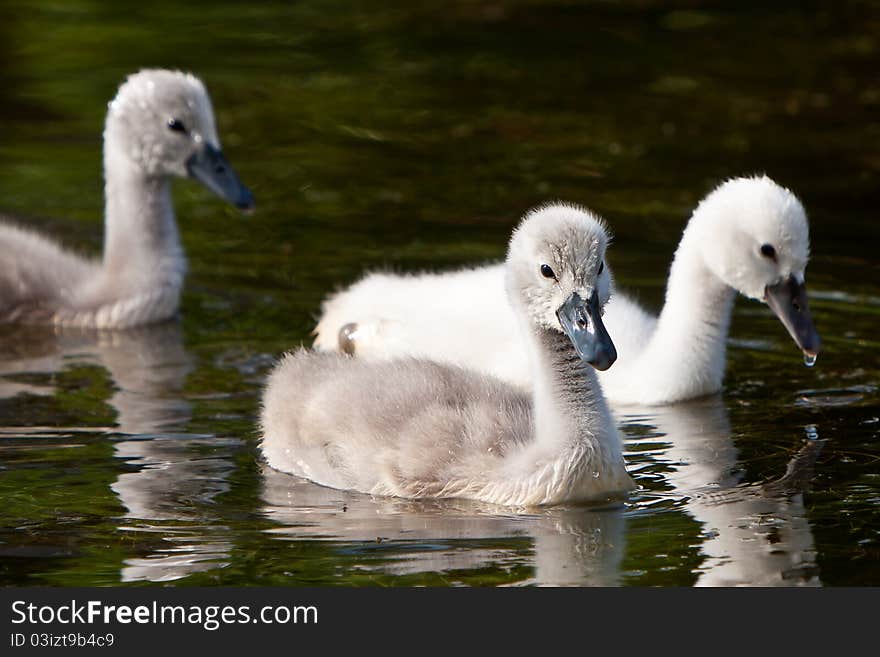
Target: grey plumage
(410,419)
(140,276)
(415,428)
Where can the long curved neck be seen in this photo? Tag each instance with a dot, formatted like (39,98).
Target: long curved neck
(691,332)
(141,244)
(569,408)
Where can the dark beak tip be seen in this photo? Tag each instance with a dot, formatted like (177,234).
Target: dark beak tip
(811,343)
(245,202)
(604,361)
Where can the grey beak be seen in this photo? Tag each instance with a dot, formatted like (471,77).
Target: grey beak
(582,322)
(788,300)
(209,166)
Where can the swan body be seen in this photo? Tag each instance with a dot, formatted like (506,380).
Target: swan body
(414,428)
(749,235)
(160,125)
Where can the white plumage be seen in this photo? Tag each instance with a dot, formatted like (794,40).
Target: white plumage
(160,125)
(414,428)
(455,317)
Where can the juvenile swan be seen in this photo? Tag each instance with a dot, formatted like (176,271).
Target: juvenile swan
(414,428)
(749,235)
(159,125)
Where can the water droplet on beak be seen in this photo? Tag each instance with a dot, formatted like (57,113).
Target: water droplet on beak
(810,359)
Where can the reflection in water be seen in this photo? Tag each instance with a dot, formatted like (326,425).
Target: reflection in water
(147,365)
(751,534)
(566,546)
(756,535)
(177,475)
(175,483)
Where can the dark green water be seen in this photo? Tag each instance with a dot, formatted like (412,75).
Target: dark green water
(375,134)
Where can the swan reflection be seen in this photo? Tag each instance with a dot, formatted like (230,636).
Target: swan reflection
(171,478)
(581,546)
(752,534)
(168,485)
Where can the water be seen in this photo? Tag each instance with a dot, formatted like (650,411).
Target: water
(391,136)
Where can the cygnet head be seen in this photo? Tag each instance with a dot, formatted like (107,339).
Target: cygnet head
(755,237)
(556,274)
(161,123)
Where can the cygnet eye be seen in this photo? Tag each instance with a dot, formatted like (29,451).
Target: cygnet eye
(601,268)
(768,251)
(176,125)
(547,272)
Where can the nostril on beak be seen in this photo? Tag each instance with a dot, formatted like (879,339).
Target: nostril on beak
(796,306)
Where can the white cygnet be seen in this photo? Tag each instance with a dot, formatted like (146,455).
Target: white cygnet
(750,235)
